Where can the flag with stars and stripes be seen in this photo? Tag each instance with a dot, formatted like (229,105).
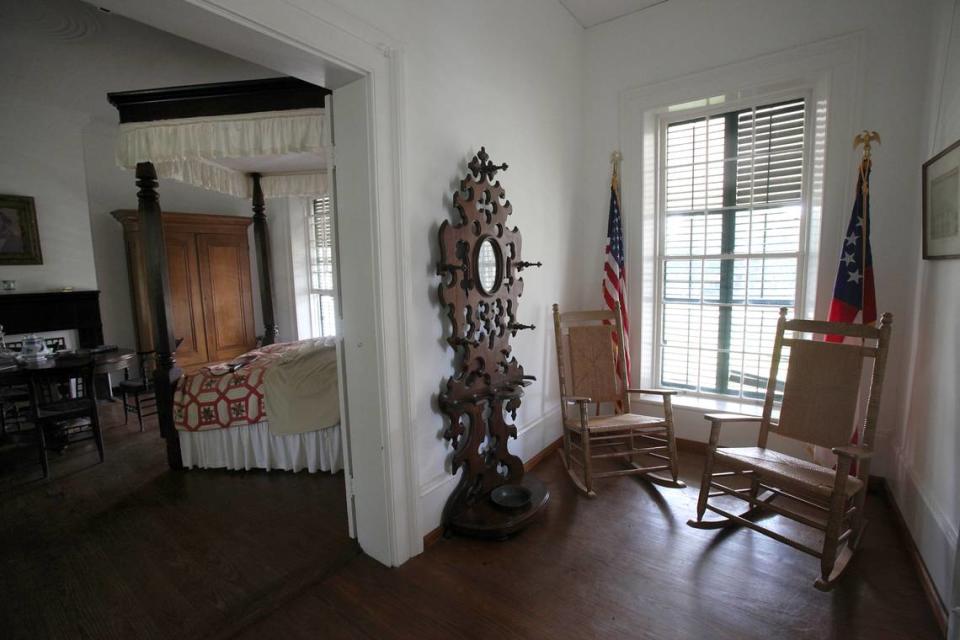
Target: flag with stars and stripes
(615,272)
(853,291)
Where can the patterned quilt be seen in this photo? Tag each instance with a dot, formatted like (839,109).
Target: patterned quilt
(230,394)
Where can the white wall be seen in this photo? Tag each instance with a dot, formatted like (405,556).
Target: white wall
(505,75)
(682,37)
(927,476)
(42,157)
(58,60)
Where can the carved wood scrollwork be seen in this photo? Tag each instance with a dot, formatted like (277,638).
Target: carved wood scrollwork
(481,286)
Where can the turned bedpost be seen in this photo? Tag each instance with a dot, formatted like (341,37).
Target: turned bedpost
(261,239)
(166,373)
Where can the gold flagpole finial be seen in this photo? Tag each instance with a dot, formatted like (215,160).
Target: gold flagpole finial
(615,159)
(865,138)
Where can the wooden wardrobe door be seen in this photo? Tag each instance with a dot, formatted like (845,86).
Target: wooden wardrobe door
(186,299)
(224,261)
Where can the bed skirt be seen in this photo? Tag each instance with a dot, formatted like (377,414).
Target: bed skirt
(254,447)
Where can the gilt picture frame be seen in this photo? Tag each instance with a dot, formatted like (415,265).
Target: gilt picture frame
(941,205)
(19,236)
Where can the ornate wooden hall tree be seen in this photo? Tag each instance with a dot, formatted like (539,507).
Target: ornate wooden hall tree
(480,261)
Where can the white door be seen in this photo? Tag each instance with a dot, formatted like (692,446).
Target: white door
(363,443)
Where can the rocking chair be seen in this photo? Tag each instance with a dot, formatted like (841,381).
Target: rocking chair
(820,397)
(595,365)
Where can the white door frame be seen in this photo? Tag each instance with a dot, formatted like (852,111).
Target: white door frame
(389,530)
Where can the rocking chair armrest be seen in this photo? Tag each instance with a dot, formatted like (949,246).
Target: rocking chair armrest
(853,451)
(656,392)
(577,399)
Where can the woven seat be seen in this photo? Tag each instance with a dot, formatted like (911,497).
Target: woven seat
(818,393)
(64,409)
(597,422)
(617,423)
(134,384)
(787,470)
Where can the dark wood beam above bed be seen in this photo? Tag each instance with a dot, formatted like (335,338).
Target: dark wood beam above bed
(218,99)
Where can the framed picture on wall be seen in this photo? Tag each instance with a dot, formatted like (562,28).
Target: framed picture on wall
(19,238)
(941,205)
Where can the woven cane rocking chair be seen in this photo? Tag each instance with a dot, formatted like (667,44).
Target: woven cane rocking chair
(591,361)
(820,397)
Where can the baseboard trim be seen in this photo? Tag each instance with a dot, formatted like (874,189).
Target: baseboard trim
(434,535)
(693,446)
(933,597)
(544,453)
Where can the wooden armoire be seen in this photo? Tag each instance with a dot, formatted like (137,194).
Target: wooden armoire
(208,263)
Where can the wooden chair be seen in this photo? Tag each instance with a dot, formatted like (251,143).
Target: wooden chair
(820,397)
(589,358)
(13,400)
(63,407)
(140,388)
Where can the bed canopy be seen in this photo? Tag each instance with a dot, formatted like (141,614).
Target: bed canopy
(253,139)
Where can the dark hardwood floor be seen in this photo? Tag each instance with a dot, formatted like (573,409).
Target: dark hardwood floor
(129,550)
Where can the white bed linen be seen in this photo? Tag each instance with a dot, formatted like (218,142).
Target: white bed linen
(252,446)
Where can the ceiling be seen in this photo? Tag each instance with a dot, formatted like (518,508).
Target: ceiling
(590,13)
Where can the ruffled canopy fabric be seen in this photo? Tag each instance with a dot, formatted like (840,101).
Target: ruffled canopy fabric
(199,151)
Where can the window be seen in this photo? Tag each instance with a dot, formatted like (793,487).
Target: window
(322,265)
(731,246)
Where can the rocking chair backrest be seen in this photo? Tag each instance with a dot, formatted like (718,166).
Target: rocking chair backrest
(821,391)
(589,361)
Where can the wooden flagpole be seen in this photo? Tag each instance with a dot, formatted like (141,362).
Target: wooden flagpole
(864,138)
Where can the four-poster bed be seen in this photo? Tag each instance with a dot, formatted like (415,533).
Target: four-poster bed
(251,139)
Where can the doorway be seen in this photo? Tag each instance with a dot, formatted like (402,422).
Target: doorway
(364,74)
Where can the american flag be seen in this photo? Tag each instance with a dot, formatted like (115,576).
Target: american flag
(853,291)
(614,269)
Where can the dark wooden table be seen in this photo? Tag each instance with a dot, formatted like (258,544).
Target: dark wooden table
(106,362)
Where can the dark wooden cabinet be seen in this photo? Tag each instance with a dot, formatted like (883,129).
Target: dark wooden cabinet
(208,264)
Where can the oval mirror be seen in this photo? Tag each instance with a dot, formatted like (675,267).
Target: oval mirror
(488,265)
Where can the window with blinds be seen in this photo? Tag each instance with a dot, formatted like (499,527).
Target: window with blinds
(322,267)
(731,245)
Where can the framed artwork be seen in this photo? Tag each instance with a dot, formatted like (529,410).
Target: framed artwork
(19,238)
(941,205)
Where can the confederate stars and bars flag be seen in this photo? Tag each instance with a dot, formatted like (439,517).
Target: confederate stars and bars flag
(853,290)
(614,269)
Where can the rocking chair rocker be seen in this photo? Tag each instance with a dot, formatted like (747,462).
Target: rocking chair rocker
(596,366)
(820,397)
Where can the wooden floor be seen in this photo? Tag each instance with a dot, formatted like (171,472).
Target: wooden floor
(128,549)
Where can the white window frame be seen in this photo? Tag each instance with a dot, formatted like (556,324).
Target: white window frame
(315,330)
(830,72)
(695,112)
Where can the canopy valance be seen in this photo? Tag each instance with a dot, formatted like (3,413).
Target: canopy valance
(288,148)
